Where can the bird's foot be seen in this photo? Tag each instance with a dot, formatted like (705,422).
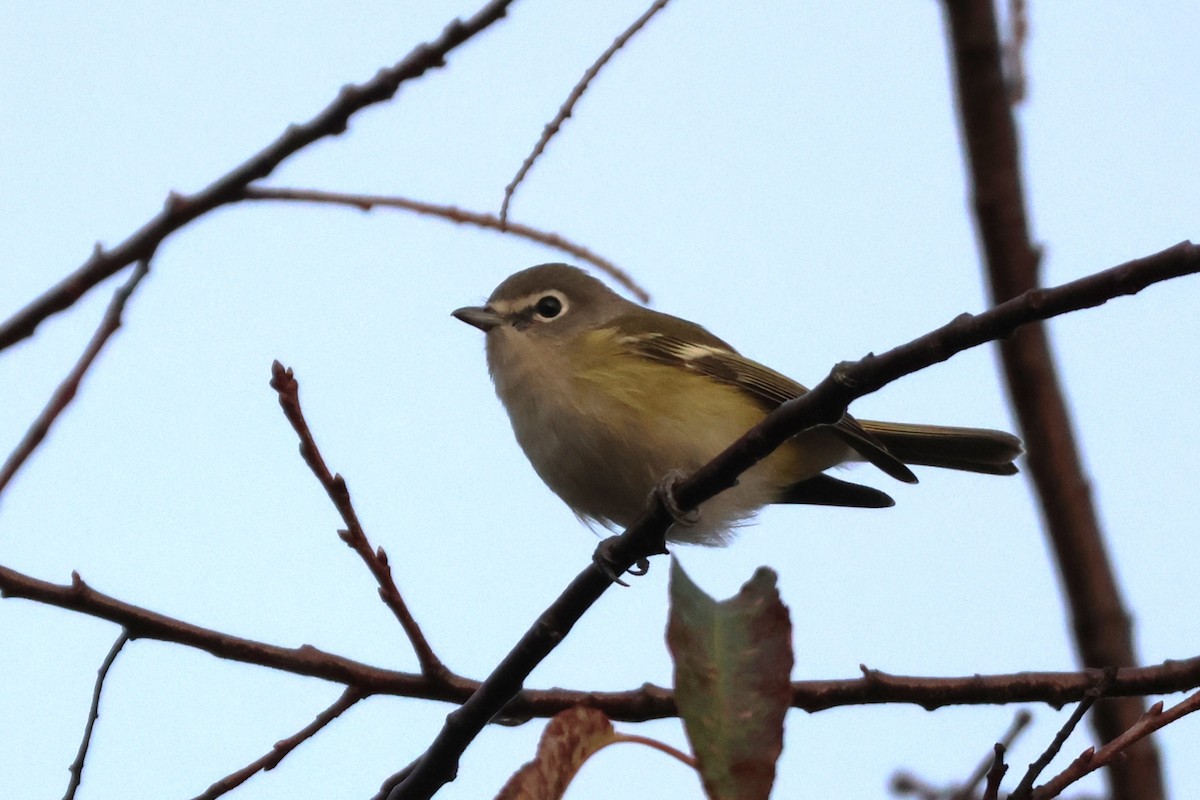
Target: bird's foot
(606,561)
(665,491)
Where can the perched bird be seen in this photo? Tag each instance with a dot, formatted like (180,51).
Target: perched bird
(607,398)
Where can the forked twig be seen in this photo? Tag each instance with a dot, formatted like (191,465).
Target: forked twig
(1092,759)
(1095,693)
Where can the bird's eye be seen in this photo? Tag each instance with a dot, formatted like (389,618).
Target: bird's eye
(548,307)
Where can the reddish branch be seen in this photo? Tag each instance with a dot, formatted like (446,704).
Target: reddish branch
(366,202)
(1099,620)
(285,384)
(66,390)
(636,705)
(564,112)
(1060,738)
(305,660)
(1092,759)
(179,210)
(825,404)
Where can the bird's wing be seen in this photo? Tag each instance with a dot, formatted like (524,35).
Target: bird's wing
(700,351)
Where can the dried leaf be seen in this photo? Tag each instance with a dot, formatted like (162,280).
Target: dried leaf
(569,739)
(733,663)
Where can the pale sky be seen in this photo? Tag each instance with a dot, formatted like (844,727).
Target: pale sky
(791,179)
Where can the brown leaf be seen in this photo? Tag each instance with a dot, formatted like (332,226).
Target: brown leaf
(569,739)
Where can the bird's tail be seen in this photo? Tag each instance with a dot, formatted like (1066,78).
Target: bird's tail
(968,449)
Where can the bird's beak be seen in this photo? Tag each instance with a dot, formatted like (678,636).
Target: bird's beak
(483,318)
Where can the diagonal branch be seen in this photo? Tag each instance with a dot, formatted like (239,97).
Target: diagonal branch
(288,388)
(1060,738)
(282,748)
(1101,625)
(568,106)
(179,210)
(76,768)
(66,390)
(825,404)
(1092,759)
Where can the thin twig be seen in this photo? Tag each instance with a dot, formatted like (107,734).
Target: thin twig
(76,768)
(1091,759)
(366,202)
(646,702)
(288,389)
(1041,762)
(825,404)
(995,775)
(282,748)
(989,765)
(1101,625)
(564,112)
(906,783)
(662,747)
(67,390)
(179,210)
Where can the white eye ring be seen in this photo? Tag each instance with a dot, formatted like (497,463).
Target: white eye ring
(549,306)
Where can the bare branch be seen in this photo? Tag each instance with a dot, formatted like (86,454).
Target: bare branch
(282,748)
(305,660)
(1103,635)
(179,210)
(1041,762)
(285,384)
(1091,759)
(366,202)
(67,390)
(568,106)
(991,791)
(988,768)
(76,768)
(646,702)
(825,404)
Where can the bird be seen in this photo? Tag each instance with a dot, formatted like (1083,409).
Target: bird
(608,399)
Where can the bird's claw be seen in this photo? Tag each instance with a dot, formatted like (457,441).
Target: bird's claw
(665,491)
(606,561)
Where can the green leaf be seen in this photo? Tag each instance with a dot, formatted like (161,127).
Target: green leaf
(733,663)
(569,739)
